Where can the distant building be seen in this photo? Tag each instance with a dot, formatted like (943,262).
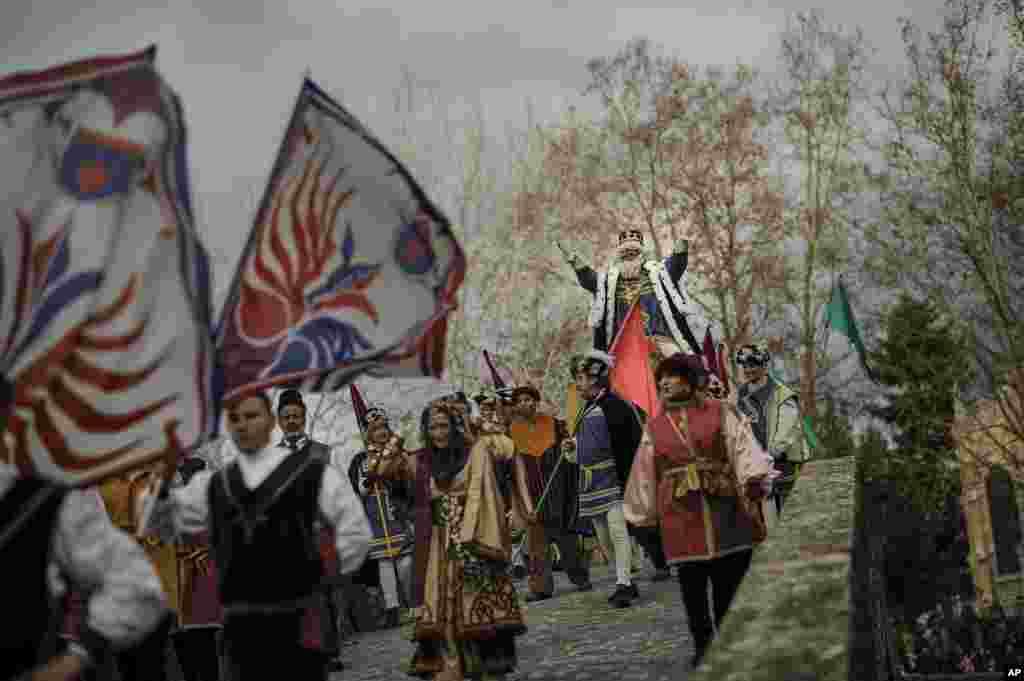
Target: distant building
(992,477)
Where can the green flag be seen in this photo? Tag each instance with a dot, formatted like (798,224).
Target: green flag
(812,439)
(839,317)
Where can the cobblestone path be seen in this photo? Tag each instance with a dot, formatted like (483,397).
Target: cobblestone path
(572,637)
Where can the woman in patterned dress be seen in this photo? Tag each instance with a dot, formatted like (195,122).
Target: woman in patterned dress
(468,612)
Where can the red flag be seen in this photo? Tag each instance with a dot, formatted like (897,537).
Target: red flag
(710,356)
(632,377)
(358,406)
(723,365)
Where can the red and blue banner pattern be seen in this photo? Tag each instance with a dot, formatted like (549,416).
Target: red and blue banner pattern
(104,286)
(348,270)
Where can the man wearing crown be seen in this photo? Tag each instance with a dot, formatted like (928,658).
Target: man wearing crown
(672,320)
(391,546)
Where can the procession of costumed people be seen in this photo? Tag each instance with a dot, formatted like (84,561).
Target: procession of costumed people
(239,565)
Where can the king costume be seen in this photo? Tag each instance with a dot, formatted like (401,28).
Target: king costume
(672,319)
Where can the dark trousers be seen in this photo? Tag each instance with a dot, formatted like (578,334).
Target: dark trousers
(649,539)
(725,574)
(258,647)
(784,484)
(148,659)
(542,580)
(198,652)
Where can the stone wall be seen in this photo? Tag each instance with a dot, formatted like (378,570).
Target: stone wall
(792,617)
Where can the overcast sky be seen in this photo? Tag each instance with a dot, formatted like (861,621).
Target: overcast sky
(237,65)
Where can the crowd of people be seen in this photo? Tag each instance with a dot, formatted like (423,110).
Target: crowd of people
(241,569)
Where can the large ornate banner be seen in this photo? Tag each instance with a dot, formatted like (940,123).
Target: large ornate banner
(349,268)
(105,330)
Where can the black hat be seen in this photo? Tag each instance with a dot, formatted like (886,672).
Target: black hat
(290,396)
(691,367)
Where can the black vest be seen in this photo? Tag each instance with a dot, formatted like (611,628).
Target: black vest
(24,590)
(264,540)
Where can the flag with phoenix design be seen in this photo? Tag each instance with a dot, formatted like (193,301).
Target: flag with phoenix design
(105,333)
(349,268)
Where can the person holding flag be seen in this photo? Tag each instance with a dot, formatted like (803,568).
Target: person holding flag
(391,546)
(553,488)
(774,413)
(606,438)
(262,509)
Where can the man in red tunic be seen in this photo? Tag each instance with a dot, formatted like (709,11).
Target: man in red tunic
(708,478)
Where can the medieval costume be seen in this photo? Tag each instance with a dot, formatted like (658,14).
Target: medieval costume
(52,539)
(708,477)
(468,613)
(606,439)
(321,622)
(261,512)
(386,504)
(200,615)
(538,439)
(147,662)
(774,413)
(672,319)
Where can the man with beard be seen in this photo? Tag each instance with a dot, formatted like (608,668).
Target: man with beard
(705,487)
(774,413)
(606,440)
(261,512)
(467,614)
(384,501)
(672,320)
(321,622)
(538,439)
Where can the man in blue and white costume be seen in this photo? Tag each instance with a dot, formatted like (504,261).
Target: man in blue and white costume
(607,436)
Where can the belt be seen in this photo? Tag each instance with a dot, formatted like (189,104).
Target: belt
(588,471)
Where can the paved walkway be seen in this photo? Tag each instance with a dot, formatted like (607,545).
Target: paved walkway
(572,637)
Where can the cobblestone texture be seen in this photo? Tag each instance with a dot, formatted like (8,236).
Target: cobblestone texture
(572,637)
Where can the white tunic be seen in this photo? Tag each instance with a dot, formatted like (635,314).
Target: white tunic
(127,600)
(186,510)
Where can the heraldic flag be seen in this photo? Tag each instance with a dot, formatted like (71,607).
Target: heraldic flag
(632,376)
(105,330)
(349,268)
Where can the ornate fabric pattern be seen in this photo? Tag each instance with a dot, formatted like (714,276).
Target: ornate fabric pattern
(349,268)
(104,284)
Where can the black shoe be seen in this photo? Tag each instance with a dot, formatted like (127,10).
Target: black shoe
(631,590)
(585,586)
(556,567)
(622,598)
(533,598)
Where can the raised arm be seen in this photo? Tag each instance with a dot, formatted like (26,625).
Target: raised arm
(585,274)
(676,263)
